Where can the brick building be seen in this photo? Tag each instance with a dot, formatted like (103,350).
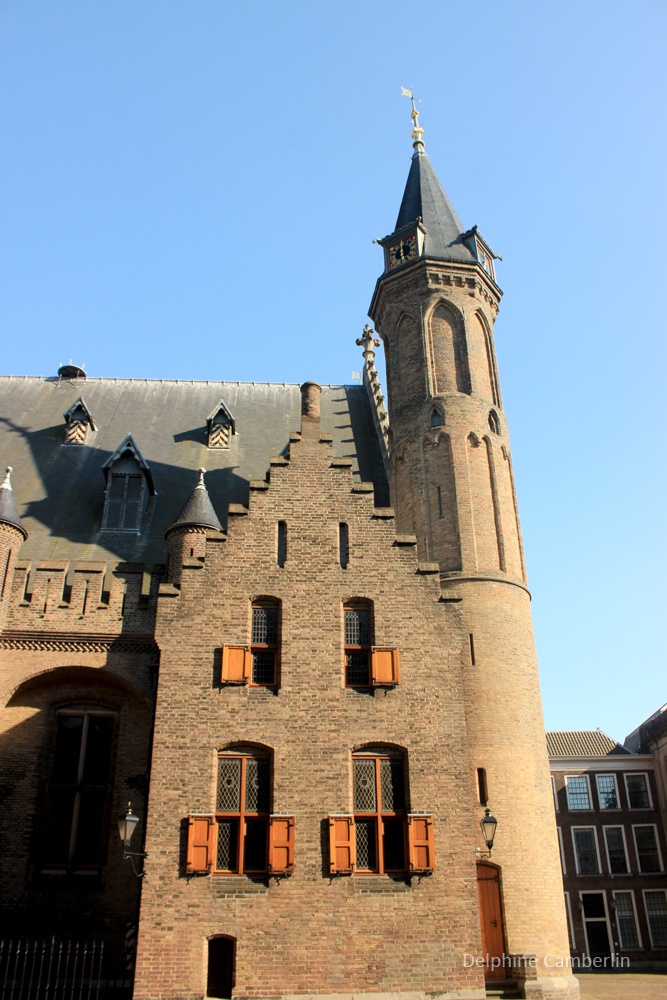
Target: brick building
(613,850)
(311,670)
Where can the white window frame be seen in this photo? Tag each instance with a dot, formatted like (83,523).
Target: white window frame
(553,786)
(590,797)
(597,789)
(568,919)
(648,922)
(621,946)
(657,841)
(596,920)
(615,826)
(636,774)
(597,851)
(562,850)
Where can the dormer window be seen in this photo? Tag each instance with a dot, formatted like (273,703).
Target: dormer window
(129,485)
(78,419)
(220,425)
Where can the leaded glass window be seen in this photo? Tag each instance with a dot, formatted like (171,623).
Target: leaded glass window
(656,911)
(607,793)
(585,849)
(357,646)
(618,863)
(647,849)
(379,807)
(578,793)
(264,643)
(625,920)
(638,794)
(242,813)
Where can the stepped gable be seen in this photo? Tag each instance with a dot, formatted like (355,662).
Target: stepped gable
(61,489)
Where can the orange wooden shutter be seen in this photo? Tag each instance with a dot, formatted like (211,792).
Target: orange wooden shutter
(202,836)
(385,665)
(420,841)
(281,844)
(235,664)
(342,853)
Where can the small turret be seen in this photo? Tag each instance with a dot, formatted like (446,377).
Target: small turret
(186,537)
(12,536)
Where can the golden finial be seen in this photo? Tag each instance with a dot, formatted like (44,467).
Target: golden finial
(417,130)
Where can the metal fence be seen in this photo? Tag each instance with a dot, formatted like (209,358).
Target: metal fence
(59,969)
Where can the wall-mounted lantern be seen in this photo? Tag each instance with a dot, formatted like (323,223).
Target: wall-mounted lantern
(127,824)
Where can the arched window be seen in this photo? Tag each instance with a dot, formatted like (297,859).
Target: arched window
(221,967)
(358,642)
(494,423)
(436,418)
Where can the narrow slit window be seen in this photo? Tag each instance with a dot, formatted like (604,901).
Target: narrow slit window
(440,511)
(472,649)
(481,784)
(343,545)
(282,543)
(494,423)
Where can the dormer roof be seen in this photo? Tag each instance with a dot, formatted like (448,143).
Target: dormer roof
(8,512)
(129,446)
(198,511)
(221,410)
(80,404)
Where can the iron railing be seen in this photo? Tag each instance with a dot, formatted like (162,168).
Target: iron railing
(60,969)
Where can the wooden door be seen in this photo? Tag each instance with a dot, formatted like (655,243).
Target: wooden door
(491,919)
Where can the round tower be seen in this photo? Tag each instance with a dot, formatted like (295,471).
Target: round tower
(12,537)
(186,537)
(452,485)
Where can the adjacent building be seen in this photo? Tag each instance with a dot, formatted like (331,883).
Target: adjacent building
(613,851)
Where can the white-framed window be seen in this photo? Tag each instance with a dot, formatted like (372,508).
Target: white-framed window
(607,791)
(596,923)
(586,853)
(649,857)
(578,792)
(638,791)
(568,917)
(562,851)
(655,905)
(617,852)
(553,788)
(626,919)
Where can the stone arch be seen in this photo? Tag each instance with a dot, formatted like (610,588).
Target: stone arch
(491,363)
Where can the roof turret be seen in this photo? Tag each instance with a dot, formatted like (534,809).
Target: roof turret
(198,511)
(8,512)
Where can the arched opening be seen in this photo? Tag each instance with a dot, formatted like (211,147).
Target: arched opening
(221,967)
(494,423)
(491,919)
(436,419)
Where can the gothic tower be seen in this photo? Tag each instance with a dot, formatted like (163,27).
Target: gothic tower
(452,486)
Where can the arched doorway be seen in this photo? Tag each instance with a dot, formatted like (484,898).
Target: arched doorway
(491,919)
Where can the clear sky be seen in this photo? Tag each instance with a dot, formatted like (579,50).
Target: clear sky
(191,190)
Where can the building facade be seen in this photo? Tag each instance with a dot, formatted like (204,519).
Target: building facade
(612,844)
(312,683)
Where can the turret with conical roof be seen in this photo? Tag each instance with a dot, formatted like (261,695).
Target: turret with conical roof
(12,536)
(452,485)
(186,537)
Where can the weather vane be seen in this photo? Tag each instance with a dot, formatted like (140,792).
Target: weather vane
(417,130)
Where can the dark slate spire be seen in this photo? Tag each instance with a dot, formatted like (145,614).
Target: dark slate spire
(8,511)
(425,198)
(198,511)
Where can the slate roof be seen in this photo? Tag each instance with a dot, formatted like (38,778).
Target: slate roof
(583,743)
(424,197)
(198,511)
(59,490)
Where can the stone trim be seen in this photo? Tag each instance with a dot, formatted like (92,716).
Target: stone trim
(71,642)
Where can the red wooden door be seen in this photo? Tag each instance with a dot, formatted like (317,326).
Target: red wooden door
(490,915)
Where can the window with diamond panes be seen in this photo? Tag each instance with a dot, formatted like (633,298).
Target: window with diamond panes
(379,814)
(242,814)
(357,645)
(264,643)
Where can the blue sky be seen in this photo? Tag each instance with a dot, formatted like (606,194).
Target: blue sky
(191,190)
